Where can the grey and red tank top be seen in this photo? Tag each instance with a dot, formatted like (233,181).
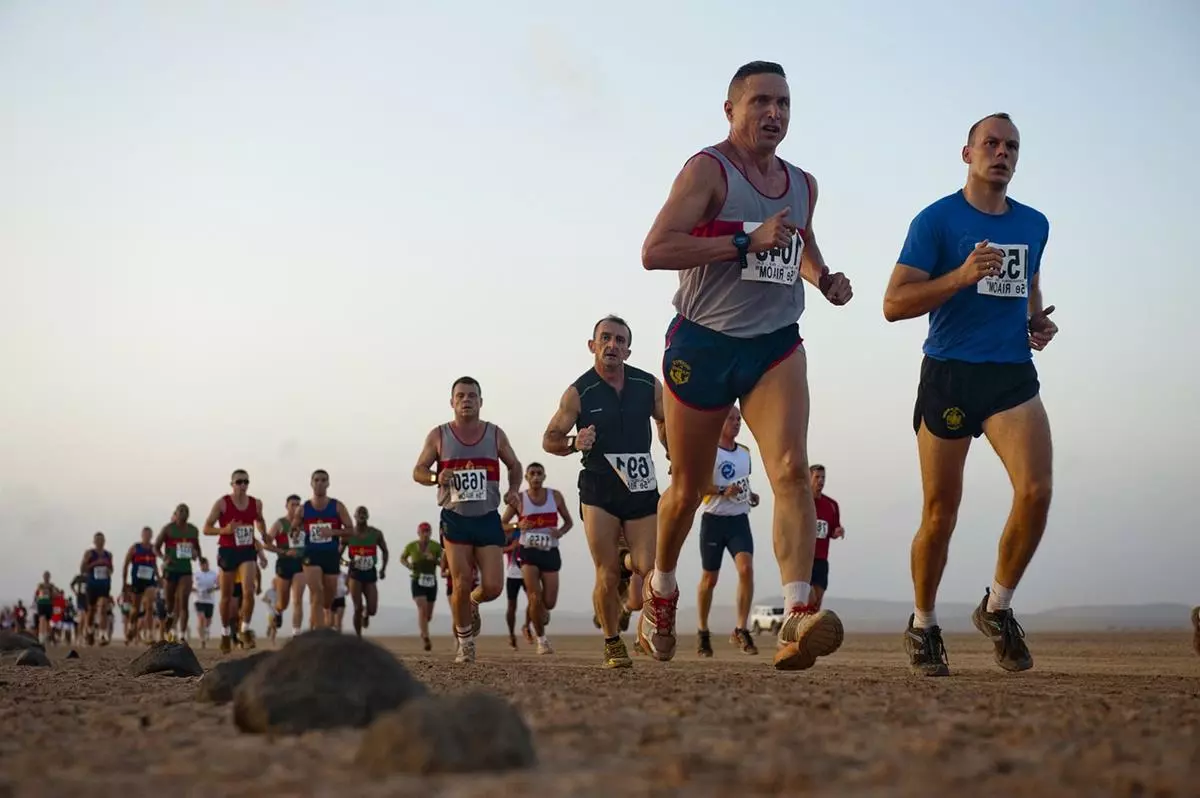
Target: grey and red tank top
(242,522)
(475,488)
(768,294)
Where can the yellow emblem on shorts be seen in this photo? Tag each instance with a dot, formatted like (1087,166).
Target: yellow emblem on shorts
(680,372)
(954,418)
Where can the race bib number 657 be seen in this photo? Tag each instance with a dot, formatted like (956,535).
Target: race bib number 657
(822,529)
(319,533)
(635,470)
(1012,282)
(243,535)
(780,265)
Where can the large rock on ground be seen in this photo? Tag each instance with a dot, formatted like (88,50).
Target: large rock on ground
(34,657)
(170,659)
(464,733)
(219,683)
(13,642)
(322,680)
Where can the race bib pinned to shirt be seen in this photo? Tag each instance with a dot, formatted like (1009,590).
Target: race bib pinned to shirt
(363,562)
(743,494)
(426,580)
(1013,280)
(538,540)
(779,265)
(635,470)
(822,529)
(243,536)
(100,573)
(319,533)
(145,572)
(183,551)
(469,485)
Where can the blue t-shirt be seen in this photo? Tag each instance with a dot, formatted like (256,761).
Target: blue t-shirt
(985,323)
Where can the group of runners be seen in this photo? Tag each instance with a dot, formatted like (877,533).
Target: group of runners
(737,226)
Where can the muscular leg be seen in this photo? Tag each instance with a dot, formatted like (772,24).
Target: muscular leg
(942,463)
(776,410)
(692,438)
(510,617)
(183,595)
(816,596)
(602,530)
(329,585)
(491,574)
(371,592)
(704,596)
(744,562)
(422,616)
(461,559)
(641,537)
(299,583)
(356,599)
(170,591)
(534,606)
(549,590)
(247,570)
(314,580)
(1021,438)
(226,581)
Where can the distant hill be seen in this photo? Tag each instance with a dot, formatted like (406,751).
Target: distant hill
(858,615)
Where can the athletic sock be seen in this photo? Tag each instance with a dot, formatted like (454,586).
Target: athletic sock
(463,632)
(663,582)
(225,631)
(1000,598)
(795,594)
(923,619)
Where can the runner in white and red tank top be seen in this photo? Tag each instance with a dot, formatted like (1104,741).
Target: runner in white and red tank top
(540,559)
(737,228)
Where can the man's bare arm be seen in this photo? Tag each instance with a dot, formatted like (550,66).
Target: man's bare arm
(214,514)
(509,458)
(910,293)
(660,417)
(564,512)
(812,262)
(554,439)
(694,195)
(423,473)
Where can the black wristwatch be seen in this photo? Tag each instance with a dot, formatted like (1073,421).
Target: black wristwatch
(741,240)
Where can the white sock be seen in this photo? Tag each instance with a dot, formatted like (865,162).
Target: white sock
(663,582)
(1000,597)
(542,639)
(295,631)
(923,619)
(225,631)
(245,626)
(795,594)
(463,632)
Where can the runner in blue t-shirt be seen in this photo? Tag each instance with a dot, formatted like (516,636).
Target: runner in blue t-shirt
(972,261)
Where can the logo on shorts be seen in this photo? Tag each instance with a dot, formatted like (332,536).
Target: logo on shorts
(680,371)
(954,418)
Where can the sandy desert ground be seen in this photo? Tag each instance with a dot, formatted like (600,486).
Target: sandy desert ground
(1099,715)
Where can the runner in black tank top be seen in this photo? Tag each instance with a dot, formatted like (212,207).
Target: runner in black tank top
(611,406)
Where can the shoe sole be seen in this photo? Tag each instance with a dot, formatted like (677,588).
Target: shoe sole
(618,663)
(822,638)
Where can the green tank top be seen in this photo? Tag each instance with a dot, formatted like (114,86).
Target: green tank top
(427,564)
(179,548)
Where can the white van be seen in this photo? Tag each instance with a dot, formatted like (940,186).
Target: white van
(766,618)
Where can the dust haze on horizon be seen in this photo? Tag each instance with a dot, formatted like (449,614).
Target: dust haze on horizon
(234,236)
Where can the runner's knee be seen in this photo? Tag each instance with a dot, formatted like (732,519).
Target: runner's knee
(939,516)
(1033,492)
(708,580)
(745,567)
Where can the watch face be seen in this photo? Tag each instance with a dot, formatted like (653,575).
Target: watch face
(740,239)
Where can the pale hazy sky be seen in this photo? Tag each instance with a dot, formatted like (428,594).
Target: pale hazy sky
(270,235)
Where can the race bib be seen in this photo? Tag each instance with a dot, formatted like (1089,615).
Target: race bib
(822,529)
(319,533)
(296,538)
(426,580)
(363,562)
(100,573)
(635,470)
(780,265)
(145,572)
(538,540)
(469,485)
(1012,282)
(183,551)
(243,535)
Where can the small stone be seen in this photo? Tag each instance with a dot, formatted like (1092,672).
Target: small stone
(34,658)
(171,659)
(470,732)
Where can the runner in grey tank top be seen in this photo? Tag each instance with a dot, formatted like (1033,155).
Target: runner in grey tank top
(468,452)
(737,226)
(474,488)
(768,293)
